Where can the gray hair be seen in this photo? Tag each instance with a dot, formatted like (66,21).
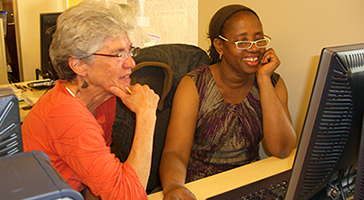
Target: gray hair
(82,29)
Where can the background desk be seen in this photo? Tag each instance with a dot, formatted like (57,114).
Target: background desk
(225,181)
(32,93)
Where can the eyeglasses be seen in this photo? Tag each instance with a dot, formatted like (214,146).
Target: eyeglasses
(243,45)
(133,51)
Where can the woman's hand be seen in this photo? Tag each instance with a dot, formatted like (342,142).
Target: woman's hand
(141,99)
(269,63)
(178,192)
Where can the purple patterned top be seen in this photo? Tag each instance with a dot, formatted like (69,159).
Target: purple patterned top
(227,135)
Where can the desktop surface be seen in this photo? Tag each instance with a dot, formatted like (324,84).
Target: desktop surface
(33,94)
(273,187)
(226,181)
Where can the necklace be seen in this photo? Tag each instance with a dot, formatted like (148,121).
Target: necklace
(70,92)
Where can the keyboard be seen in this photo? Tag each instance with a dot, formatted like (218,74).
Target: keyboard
(273,187)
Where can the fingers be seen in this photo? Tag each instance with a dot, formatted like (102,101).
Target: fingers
(180,192)
(118,92)
(137,97)
(270,56)
(269,63)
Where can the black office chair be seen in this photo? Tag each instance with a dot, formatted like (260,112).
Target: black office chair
(161,67)
(181,58)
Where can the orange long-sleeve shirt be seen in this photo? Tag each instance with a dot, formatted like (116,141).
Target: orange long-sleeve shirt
(78,144)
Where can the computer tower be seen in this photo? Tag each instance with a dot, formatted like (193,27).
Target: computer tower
(30,175)
(10,130)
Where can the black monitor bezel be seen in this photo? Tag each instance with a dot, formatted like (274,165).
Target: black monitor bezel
(47,28)
(331,59)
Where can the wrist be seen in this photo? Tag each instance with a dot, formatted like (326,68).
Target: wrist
(146,114)
(263,78)
(171,187)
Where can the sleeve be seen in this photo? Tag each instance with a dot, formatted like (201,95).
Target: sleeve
(79,141)
(274,78)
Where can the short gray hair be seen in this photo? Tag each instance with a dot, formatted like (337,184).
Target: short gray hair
(82,29)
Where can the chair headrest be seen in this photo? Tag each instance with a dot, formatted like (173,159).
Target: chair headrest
(157,75)
(181,58)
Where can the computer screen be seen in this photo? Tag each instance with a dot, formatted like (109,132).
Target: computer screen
(47,28)
(330,140)
(359,183)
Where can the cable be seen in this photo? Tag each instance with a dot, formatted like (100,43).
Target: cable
(348,179)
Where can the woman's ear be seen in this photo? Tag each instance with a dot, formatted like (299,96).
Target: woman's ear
(77,66)
(218,46)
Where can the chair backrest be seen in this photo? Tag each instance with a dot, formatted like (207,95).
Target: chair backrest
(161,67)
(181,58)
(157,75)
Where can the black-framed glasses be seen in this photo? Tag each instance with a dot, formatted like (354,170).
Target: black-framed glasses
(133,51)
(243,45)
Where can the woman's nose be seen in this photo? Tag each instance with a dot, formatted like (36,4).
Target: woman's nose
(129,62)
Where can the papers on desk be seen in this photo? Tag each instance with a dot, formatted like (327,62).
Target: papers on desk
(19,93)
(10,88)
(26,99)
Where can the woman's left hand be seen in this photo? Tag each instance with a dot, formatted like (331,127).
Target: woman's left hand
(269,63)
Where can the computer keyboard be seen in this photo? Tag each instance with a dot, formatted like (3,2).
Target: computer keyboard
(273,187)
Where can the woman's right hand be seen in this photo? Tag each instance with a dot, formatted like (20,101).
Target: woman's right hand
(178,192)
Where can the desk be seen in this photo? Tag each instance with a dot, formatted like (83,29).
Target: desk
(32,93)
(216,184)
(225,181)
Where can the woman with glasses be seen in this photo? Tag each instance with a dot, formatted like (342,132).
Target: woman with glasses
(72,122)
(222,111)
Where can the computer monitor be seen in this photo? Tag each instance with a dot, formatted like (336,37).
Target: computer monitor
(331,135)
(47,28)
(359,183)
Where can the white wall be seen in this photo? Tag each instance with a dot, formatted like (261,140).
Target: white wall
(3,70)
(173,21)
(299,30)
(26,14)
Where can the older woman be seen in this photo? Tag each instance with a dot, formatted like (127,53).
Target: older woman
(222,111)
(72,122)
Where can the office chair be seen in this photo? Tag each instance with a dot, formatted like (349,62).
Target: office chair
(161,67)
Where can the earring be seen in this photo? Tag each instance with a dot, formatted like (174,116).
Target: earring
(84,84)
(220,56)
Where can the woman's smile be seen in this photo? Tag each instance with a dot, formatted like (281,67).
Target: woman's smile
(251,60)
